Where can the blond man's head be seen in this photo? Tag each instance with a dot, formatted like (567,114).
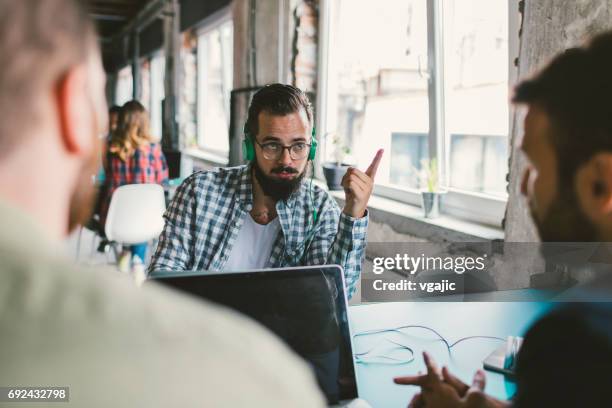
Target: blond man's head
(51,99)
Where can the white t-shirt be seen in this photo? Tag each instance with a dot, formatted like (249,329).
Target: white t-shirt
(253,245)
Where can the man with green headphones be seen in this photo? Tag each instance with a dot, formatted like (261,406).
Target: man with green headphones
(264,214)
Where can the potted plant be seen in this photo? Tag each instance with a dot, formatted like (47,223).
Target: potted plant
(430,193)
(334,171)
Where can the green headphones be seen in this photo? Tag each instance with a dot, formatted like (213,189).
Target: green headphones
(248,146)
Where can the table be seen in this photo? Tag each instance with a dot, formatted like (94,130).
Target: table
(453,320)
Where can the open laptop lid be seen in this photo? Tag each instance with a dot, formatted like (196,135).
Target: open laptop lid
(305,306)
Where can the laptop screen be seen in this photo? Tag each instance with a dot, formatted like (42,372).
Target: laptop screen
(306,307)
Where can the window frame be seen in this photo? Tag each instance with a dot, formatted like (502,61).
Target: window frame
(159,53)
(210,23)
(131,76)
(141,61)
(472,206)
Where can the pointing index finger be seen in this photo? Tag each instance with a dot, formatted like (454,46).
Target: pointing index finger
(432,368)
(371,171)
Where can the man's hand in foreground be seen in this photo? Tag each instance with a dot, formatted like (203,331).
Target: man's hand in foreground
(441,389)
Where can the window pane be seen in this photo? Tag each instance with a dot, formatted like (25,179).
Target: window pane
(408,150)
(476,94)
(145,84)
(378,85)
(124,91)
(484,173)
(158,68)
(215,71)
(188,92)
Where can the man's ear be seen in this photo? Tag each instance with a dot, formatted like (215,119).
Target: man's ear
(74,111)
(594,186)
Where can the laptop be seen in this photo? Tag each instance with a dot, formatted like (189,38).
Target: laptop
(305,306)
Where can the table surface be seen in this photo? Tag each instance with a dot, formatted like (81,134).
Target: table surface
(453,320)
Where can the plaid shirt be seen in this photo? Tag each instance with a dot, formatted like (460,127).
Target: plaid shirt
(208,210)
(147,165)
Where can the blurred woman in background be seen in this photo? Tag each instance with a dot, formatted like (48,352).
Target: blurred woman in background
(132,158)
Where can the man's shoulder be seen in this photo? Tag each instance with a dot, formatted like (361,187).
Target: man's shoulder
(218,177)
(89,318)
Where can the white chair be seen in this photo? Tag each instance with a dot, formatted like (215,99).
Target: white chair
(135,215)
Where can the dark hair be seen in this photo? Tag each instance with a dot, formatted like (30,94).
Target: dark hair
(566,357)
(114,109)
(277,99)
(575,90)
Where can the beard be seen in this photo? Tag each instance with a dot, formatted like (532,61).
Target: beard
(565,221)
(85,193)
(278,189)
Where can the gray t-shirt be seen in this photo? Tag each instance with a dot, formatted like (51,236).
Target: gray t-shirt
(116,345)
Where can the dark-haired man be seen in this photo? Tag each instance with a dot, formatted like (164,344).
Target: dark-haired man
(566,357)
(110,344)
(263,214)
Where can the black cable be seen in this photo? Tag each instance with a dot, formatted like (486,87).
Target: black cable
(476,337)
(399,329)
(396,361)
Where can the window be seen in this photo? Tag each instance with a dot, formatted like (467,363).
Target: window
(124,91)
(423,79)
(476,95)
(145,83)
(158,68)
(188,93)
(215,69)
(379,86)
(152,71)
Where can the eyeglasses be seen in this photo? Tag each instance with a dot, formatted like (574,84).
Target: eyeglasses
(275,150)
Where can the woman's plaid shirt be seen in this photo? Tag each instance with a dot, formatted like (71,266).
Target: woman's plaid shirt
(207,212)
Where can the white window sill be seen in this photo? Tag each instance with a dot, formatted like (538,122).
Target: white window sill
(409,219)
